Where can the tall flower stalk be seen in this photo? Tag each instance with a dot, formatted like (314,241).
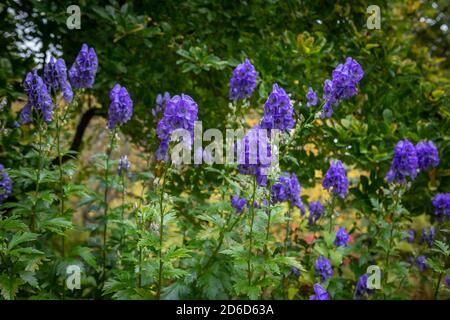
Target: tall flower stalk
(161,235)
(250,247)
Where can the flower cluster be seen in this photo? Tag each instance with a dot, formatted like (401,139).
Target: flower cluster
(82,73)
(38,98)
(161,102)
(180,113)
(287,188)
(428,236)
(254,155)
(421,263)
(319,293)
(342,237)
(278,110)
(361,287)
(323,268)
(238,203)
(55,77)
(243,81)
(121,107)
(311,97)
(5,184)
(404,164)
(336,179)
(441,204)
(427,155)
(410,235)
(124,165)
(345,79)
(316,210)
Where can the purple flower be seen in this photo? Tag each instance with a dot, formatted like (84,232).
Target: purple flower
(345,79)
(124,165)
(404,164)
(243,81)
(238,203)
(55,77)
(295,271)
(447,281)
(161,102)
(323,268)
(441,204)
(342,237)
(361,287)
(336,179)
(82,73)
(180,113)
(410,234)
(316,210)
(421,263)
(121,107)
(5,184)
(427,155)
(320,293)
(278,111)
(38,98)
(311,97)
(254,155)
(428,236)
(287,188)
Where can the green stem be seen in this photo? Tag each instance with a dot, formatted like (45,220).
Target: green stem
(122,215)
(252,214)
(161,235)
(38,174)
(266,249)
(105,199)
(436,291)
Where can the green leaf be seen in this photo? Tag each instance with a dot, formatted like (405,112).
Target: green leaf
(19,238)
(86,254)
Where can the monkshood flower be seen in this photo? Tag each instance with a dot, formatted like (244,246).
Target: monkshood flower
(427,155)
(295,271)
(361,287)
(428,236)
(447,281)
(238,203)
(38,98)
(342,237)
(287,188)
(410,234)
(344,85)
(278,110)
(316,210)
(161,102)
(5,184)
(311,97)
(254,154)
(243,81)
(404,164)
(421,263)
(124,165)
(336,179)
(441,204)
(323,268)
(55,77)
(121,107)
(82,73)
(180,113)
(320,293)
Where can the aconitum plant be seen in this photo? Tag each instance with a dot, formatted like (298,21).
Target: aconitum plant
(404,164)
(161,102)
(278,110)
(441,204)
(83,71)
(238,203)
(38,98)
(180,113)
(55,77)
(243,81)
(335,180)
(316,210)
(124,165)
(342,237)
(5,184)
(427,155)
(311,97)
(361,287)
(344,85)
(428,236)
(287,188)
(421,263)
(121,107)
(323,268)
(319,293)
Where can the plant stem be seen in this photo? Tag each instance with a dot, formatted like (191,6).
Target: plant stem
(105,226)
(122,214)
(332,204)
(38,174)
(266,249)
(161,234)
(252,215)
(438,284)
